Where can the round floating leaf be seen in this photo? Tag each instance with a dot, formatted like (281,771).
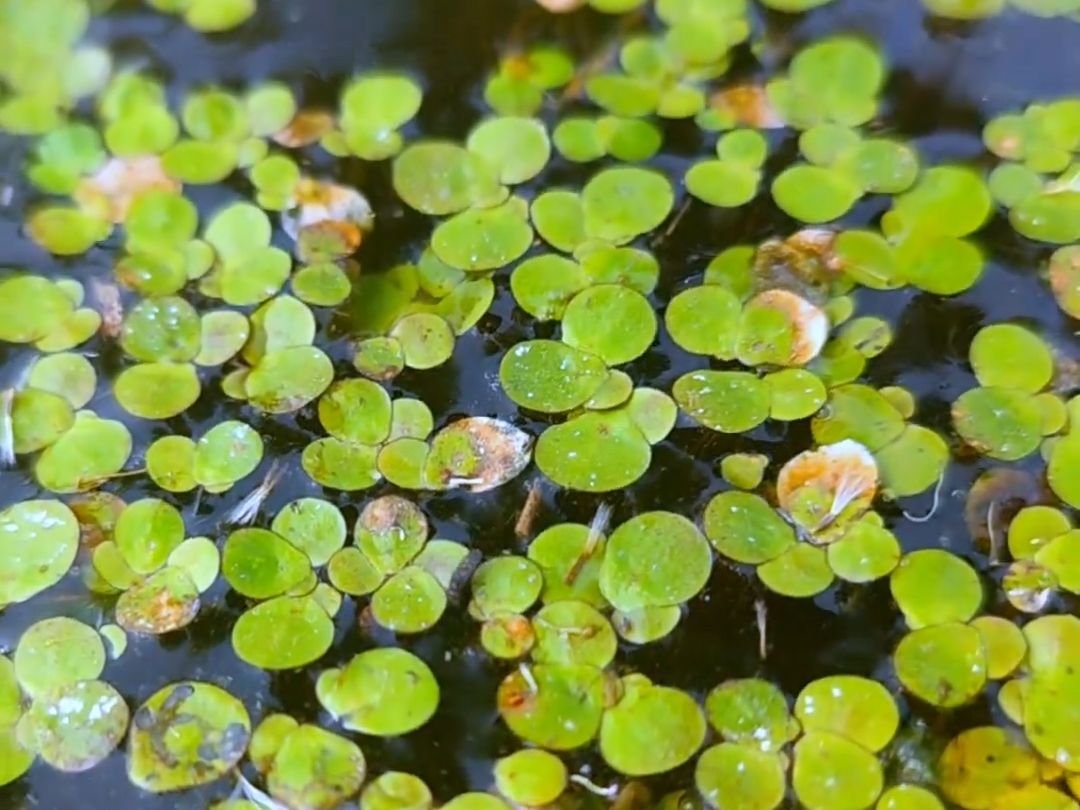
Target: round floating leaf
(751,712)
(391,531)
(352,573)
(38,419)
(914,462)
(402,462)
(386,692)
(801,571)
(881,165)
(67,375)
(1005,645)
(439,177)
(943,265)
(259,564)
(200,558)
(744,528)
(814,194)
(932,586)
(833,773)
(286,380)
(57,652)
(727,401)
(796,394)
(565,548)
(66,231)
(1059,556)
(723,183)
(186,734)
(857,708)
(411,601)
(1001,423)
(570,632)
(731,776)
(947,200)
(395,790)
(283,633)
(654,559)
(1062,467)
(211,16)
(477,452)
(908,797)
(1033,527)
(517,147)
(227,452)
(647,624)
(866,552)
(1009,356)
(559,218)
(157,390)
(426,340)
(778,327)
(223,334)
(315,768)
(91,451)
(163,602)
(531,777)
(508,636)
(980,764)
(622,203)
(944,665)
(627,266)
(705,320)
(651,729)
(356,411)
(31,307)
(147,532)
(505,585)
(314,526)
(857,412)
(484,238)
(615,323)
(340,465)
(549,376)
(76,726)
(544,285)
(559,708)
(321,285)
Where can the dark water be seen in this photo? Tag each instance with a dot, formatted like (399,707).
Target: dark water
(946,81)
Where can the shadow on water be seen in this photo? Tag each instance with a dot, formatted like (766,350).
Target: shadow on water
(946,81)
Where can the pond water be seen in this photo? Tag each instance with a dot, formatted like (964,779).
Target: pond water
(946,80)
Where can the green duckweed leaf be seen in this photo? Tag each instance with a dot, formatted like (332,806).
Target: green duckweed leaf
(157,390)
(744,528)
(352,573)
(165,601)
(751,712)
(865,553)
(386,692)
(410,601)
(559,217)
(336,464)
(187,734)
(57,652)
(731,776)
(517,147)
(314,526)
(31,308)
(76,726)
(800,571)
(622,203)
(283,633)
(549,376)
(639,571)
(570,632)
(544,285)
(260,564)
(440,177)
(531,777)
(705,320)
(91,451)
(652,729)
(932,586)
(832,772)
(508,584)
(563,548)
(727,401)
(814,194)
(615,323)
(484,238)
(563,712)
(147,532)
(1000,423)
(594,452)
(857,708)
(943,665)
(396,790)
